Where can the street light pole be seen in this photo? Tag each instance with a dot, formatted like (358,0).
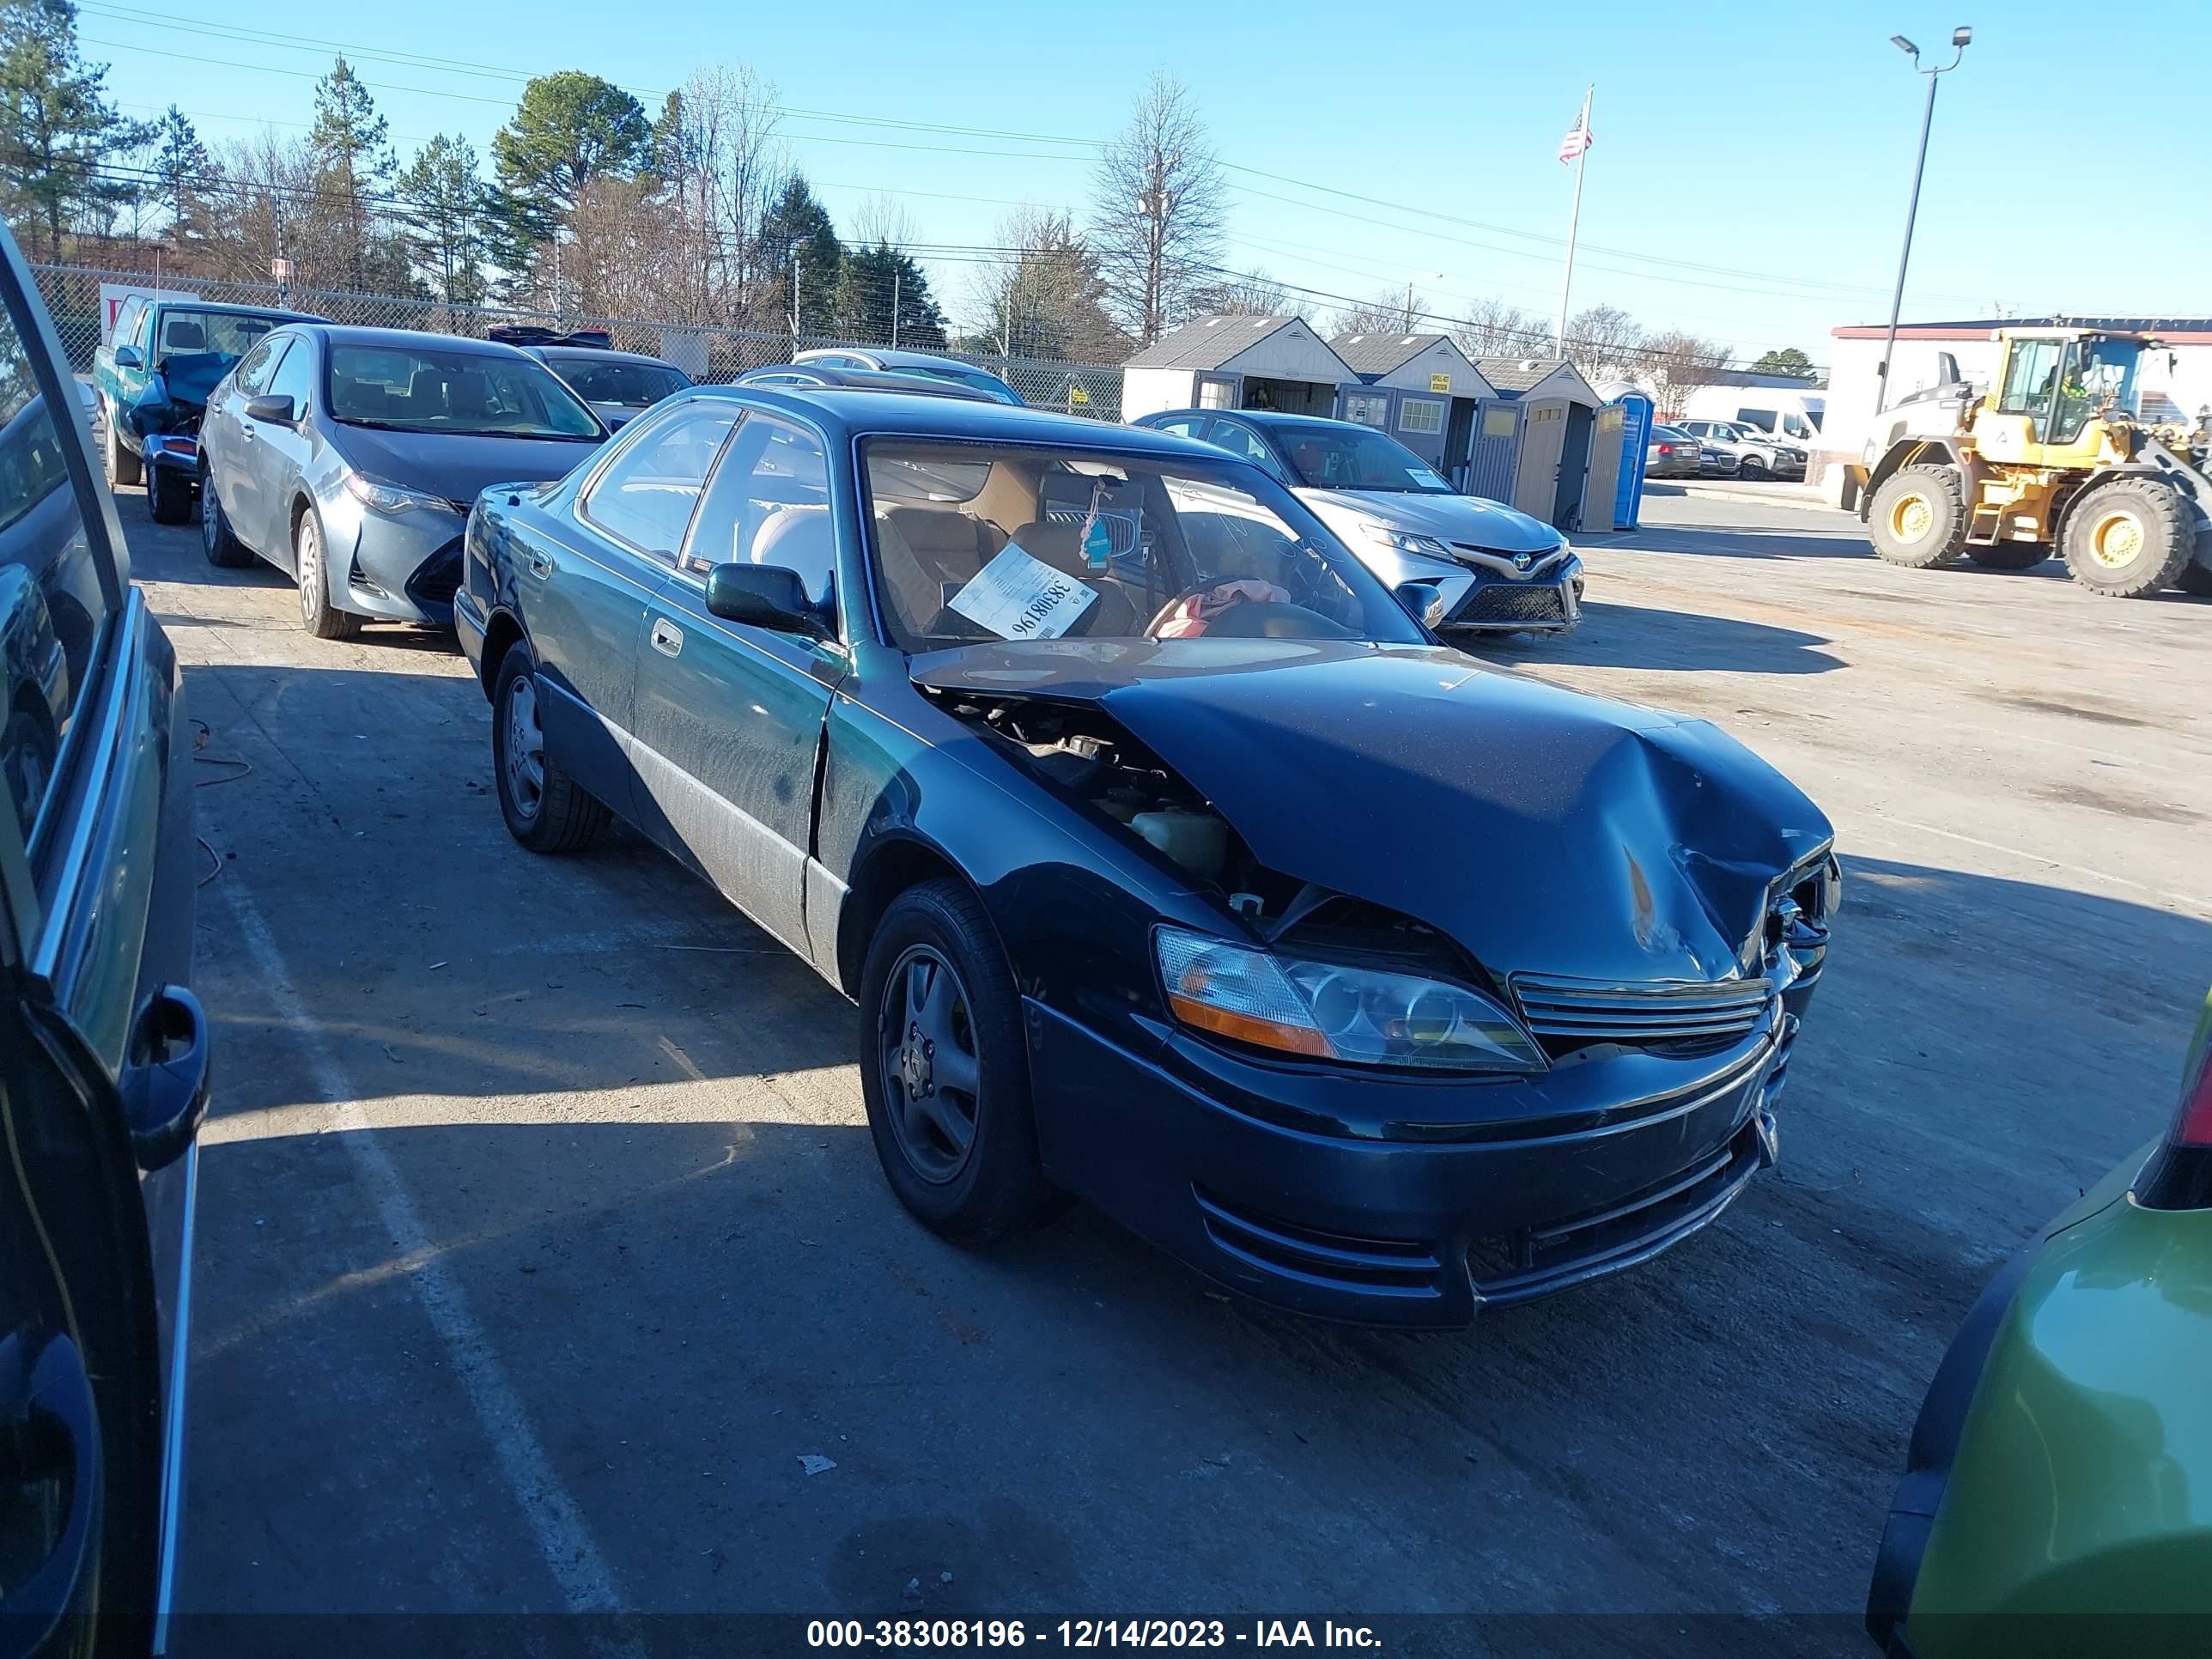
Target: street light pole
(1960,37)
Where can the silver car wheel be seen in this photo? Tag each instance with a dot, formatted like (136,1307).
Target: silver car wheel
(307,561)
(526,748)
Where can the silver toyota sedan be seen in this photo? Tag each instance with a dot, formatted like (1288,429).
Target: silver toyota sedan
(350,457)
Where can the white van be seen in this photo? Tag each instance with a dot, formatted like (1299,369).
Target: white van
(1781,411)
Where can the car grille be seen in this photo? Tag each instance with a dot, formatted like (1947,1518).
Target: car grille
(1565,1014)
(438,577)
(1373,1266)
(1507,602)
(1514,1266)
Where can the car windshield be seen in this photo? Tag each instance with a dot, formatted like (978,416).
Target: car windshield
(427,388)
(968,377)
(972,542)
(613,380)
(1338,455)
(183,332)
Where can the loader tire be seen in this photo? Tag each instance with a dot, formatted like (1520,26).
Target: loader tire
(2010,555)
(1919,517)
(2129,540)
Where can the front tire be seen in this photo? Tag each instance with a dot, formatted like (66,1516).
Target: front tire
(1753,467)
(123,467)
(944,1068)
(222,547)
(169,494)
(1917,518)
(545,809)
(317,614)
(2196,580)
(2128,540)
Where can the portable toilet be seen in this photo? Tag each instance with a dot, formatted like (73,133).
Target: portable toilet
(1601,480)
(1550,432)
(1635,418)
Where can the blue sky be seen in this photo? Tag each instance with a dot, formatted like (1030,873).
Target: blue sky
(1747,182)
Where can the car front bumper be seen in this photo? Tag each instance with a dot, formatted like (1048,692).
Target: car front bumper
(1502,605)
(404,566)
(1418,1233)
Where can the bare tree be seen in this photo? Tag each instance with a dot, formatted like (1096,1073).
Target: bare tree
(720,161)
(1492,328)
(1674,364)
(883,221)
(1044,294)
(1393,311)
(1250,294)
(1159,211)
(1603,343)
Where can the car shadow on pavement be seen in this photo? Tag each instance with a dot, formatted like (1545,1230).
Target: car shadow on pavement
(1737,541)
(1645,636)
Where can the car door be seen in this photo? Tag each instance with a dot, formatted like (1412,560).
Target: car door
(729,717)
(231,444)
(583,595)
(278,452)
(103,1052)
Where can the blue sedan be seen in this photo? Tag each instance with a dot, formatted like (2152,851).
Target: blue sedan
(1112,787)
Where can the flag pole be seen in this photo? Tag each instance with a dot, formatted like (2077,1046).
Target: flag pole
(1574,223)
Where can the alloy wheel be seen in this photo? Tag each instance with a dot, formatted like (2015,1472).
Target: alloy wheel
(211,515)
(526,748)
(308,550)
(925,1047)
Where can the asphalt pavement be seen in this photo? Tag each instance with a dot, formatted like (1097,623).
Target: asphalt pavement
(543,1251)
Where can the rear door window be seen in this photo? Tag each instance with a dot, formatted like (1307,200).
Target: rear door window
(53,595)
(644,498)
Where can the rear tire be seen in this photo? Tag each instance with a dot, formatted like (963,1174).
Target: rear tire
(169,494)
(979,1178)
(1919,517)
(317,614)
(2129,540)
(221,547)
(2010,555)
(123,466)
(545,809)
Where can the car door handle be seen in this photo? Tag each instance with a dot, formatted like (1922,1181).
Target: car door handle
(667,637)
(165,1082)
(540,566)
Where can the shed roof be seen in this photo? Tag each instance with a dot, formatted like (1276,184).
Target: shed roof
(1208,342)
(1378,354)
(1518,373)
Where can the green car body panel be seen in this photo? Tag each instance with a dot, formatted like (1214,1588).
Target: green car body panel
(2080,1486)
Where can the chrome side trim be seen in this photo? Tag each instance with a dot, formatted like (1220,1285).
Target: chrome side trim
(172,1438)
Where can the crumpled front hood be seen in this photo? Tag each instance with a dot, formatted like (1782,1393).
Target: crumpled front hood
(457,466)
(174,397)
(1468,519)
(1548,831)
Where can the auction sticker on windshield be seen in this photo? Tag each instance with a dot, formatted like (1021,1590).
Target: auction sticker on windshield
(1020,598)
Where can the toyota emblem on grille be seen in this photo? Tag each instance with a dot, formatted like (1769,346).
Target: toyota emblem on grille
(1520,561)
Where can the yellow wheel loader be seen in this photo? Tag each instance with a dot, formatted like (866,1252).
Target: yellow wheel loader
(2054,457)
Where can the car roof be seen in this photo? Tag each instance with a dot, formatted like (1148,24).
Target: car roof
(356,334)
(849,412)
(598,355)
(180,302)
(1266,418)
(892,358)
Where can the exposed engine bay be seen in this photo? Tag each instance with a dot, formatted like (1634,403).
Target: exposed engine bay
(1082,751)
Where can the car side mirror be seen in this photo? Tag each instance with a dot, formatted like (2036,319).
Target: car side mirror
(274,408)
(769,596)
(130,357)
(1424,599)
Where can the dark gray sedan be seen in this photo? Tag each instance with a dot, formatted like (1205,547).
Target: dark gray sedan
(350,457)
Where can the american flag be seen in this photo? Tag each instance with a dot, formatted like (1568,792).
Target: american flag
(1579,136)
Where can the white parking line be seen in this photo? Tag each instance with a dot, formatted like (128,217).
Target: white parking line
(557,1524)
(2179,900)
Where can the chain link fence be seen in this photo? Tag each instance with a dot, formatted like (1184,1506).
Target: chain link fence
(707,352)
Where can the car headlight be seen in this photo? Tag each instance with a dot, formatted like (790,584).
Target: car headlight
(1403,540)
(391,498)
(1335,1010)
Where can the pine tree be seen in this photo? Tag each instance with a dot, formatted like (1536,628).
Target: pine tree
(445,197)
(353,160)
(802,251)
(182,165)
(876,283)
(57,130)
